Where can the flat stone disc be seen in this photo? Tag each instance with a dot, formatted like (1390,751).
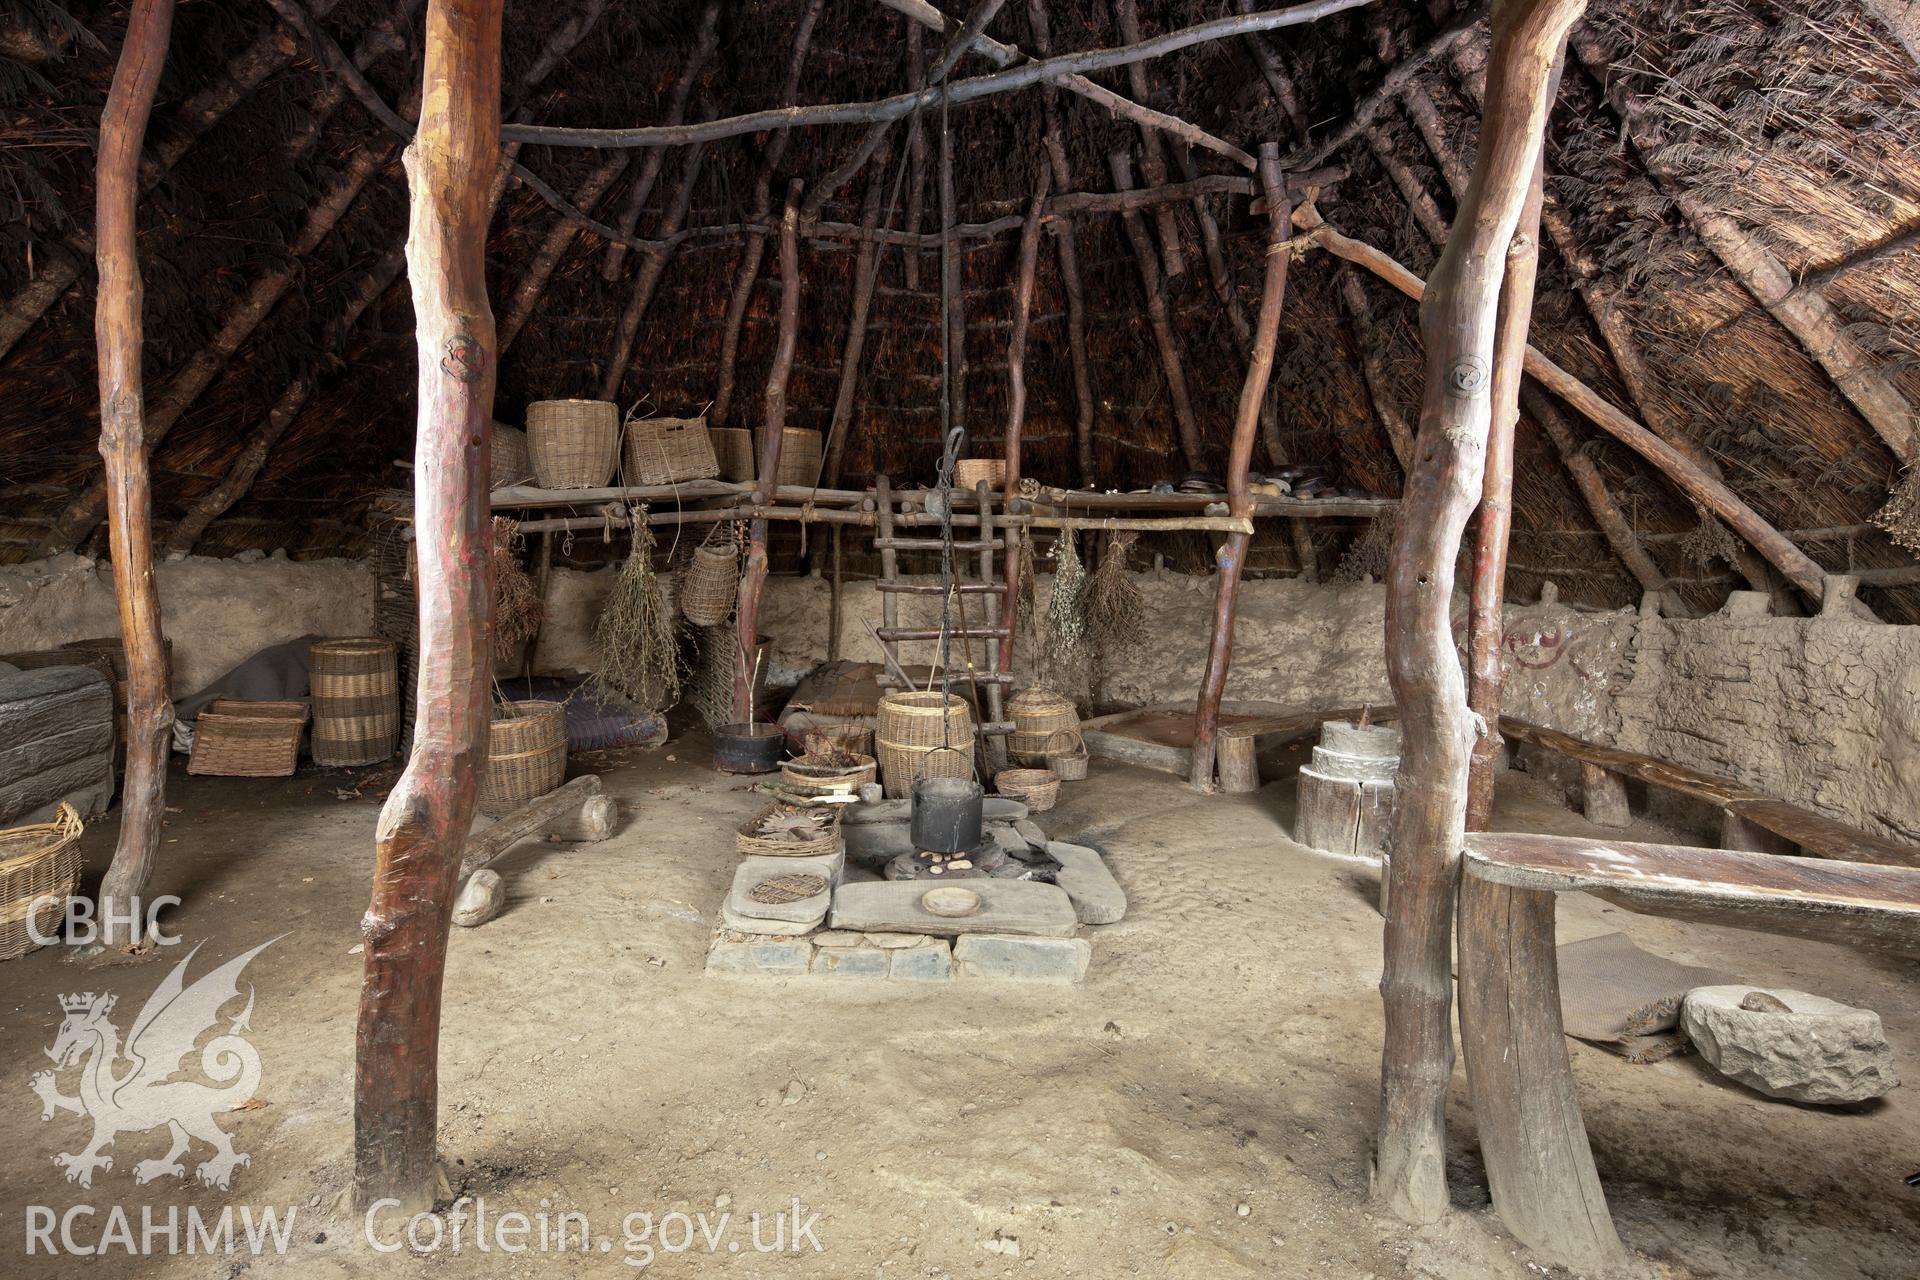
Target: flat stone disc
(950,901)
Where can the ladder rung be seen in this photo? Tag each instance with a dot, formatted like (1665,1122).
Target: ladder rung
(934,544)
(934,633)
(935,589)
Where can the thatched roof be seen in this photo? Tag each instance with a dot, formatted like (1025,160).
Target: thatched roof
(1800,127)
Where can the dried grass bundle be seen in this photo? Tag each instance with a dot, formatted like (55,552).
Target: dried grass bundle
(1066,616)
(1901,516)
(517,607)
(639,657)
(1367,557)
(1709,541)
(1116,610)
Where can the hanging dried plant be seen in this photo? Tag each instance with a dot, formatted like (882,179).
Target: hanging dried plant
(1709,541)
(638,655)
(1901,516)
(517,607)
(1116,610)
(1367,557)
(1066,616)
(1027,574)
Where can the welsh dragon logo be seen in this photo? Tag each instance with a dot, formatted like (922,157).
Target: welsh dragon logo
(142,1095)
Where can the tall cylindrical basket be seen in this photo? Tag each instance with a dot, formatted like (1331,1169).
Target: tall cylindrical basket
(922,735)
(1037,714)
(526,755)
(356,700)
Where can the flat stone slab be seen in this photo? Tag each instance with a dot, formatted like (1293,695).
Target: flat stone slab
(989,955)
(772,957)
(1006,906)
(1789,1044)
(767,928)
(1097,896)
(932,962)
(809,910)
(850,962)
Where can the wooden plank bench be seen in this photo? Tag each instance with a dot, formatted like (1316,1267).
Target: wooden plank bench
(1163,739)
(1750,821)
(1539,1166)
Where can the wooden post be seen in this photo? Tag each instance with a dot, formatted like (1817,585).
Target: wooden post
(1017,411)
(1150,282)
(647,279)
(423,826)
(866,275)
(755,577)
(1487,607)
(1423,668)
(1153,160)
(1232,554)
(119,337)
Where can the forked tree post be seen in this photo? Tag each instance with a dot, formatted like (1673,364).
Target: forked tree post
(1457,322)
(1232,555)
(118,338)
(423,826)
(1488,594)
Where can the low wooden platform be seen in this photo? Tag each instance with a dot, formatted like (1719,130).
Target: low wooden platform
(1161,736)
(1818,835)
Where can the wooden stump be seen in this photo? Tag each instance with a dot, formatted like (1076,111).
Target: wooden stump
(1604,796)
(1539,1166)
(1238,764)
(1346,793)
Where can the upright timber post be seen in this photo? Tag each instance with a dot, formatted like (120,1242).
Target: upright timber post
(1457,322)
(118,336)
(450,167)
(1232,555)
(1017,410)
(775,429)
(1487,596)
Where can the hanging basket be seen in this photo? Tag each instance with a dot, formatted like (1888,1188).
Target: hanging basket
(1067,755)
(574,443)
(1036,788)
(38,864)
(733,450)
(1037,714)
(526,755)
(911,742)
(668,450)
(969,472)
(708,587)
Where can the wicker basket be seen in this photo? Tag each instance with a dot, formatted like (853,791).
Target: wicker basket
(668,450)
(733,450)
(1036,788)
(356,700)
(1067,755)
(1037,713)
(37,863)
(574,443)
(911,745)
(969,472)
(857,738)
(746,839)
(708,586)
(526,755)
(799,457)
(236,739)
(511,463)
(822,780)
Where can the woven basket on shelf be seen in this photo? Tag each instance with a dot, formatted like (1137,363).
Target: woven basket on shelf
(820,780)
(236,739)
(969,472)
(574,443)
(38,863)
(1067,755)
(668,450)
(1036,788)
(1037,714)
(799,457)
(511,463)
(857,738)
(526,754)
(356,700)
(712,578)
(909,740)
(746,838)
(733,450)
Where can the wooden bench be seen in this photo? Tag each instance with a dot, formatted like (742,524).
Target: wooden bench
(1750,821)
(1539,1166)
(1161,736)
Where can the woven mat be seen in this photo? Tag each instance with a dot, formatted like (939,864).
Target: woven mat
(1621,998)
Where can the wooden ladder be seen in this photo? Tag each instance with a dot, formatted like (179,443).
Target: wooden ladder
(982,592)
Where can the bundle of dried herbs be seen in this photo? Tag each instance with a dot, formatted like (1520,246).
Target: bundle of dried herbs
(639,658)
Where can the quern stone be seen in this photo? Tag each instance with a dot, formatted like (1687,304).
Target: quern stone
(1817,1050)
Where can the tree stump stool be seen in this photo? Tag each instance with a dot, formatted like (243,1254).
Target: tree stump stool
(1346,791)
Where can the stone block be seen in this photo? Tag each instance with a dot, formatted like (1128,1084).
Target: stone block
(729,919)
(772,957)
(996,955)
(1789,1044)
(1097,896)
(850,962)
(931,962)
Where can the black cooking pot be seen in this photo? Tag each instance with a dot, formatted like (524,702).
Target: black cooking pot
(748,748)
(946,815)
